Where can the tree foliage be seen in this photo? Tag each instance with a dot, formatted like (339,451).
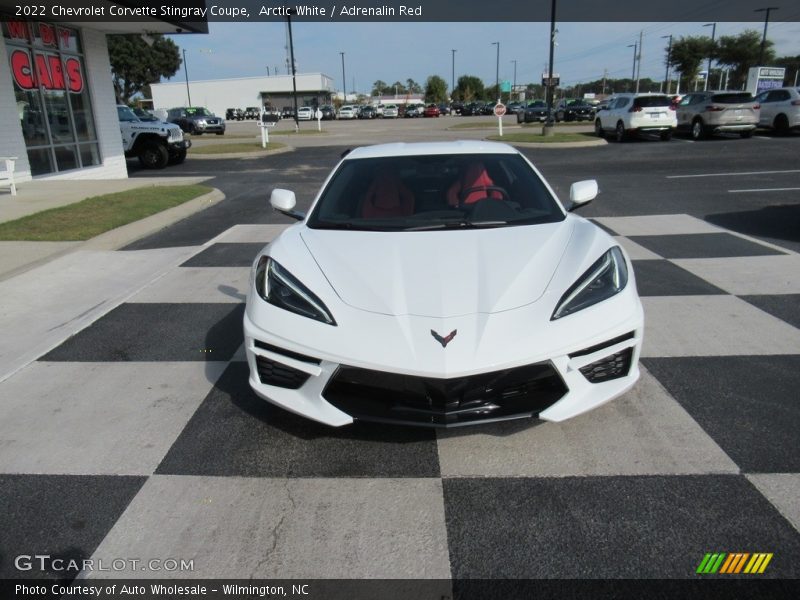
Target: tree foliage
(686,56)
(412,87)
(135,64)
(435,89)
(469,88)
(740,52)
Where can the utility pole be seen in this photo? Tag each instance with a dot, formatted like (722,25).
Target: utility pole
(453,75)
(344,81)
(711,52)
(294,78)
(547,130)
(605,76)
(669,55)
(764,37)
(186,72)
(513,85)
(639,67)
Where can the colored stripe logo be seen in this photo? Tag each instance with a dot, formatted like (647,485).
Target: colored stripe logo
(733,563)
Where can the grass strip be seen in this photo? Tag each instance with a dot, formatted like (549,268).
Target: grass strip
(88,218)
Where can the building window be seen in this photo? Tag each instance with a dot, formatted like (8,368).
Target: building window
(52,96)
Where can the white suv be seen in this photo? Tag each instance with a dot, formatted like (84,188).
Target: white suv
(780,109)
(631,114)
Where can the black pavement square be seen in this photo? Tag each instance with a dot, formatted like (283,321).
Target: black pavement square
(663,278)
(158,331)
(226,255)
(749,405)
(605,228)
(63,516)
(610,527)
(234,432)
(701,245)
(785,306)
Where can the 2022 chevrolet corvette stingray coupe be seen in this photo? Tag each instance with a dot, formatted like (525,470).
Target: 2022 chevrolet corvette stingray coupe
(441,284)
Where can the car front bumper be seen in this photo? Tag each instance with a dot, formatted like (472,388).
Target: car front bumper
(552,385)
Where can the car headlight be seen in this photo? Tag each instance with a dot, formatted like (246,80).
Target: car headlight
(282,289)
(605,278)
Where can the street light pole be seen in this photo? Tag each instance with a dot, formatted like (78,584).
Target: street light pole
(639,58)
(453,75)
(711,52)
(764,37)
(186,72)
(669,55)
(497,70)
(344,81)
(635,46)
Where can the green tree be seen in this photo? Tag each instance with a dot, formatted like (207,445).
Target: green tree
(398,88)
(469,88)
(686,56)
(379,88)
(740,52)
(435,89)
(135,64)
(412,87)
(792,66)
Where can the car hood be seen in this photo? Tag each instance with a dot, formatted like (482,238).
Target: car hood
(442,273)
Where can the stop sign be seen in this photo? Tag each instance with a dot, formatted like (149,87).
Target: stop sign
(499,109)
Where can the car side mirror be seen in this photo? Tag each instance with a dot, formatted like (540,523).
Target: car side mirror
(581,193)
(284,202)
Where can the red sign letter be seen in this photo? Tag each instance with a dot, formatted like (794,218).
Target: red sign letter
(18,30)
(74,75)
(21,69)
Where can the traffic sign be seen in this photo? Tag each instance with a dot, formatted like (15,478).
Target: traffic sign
(499,109)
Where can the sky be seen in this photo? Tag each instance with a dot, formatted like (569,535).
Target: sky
(399,51)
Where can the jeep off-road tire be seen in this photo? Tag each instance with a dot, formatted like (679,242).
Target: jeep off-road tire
(153,155)
(178,157)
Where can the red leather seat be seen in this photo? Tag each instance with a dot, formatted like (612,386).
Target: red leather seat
(474,176)
(387,197)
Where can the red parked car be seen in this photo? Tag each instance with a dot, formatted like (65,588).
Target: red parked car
(432,111)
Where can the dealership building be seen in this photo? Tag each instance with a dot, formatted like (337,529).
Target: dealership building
(217,95)
(58,111)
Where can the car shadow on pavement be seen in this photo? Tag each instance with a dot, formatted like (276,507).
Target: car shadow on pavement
(780,222)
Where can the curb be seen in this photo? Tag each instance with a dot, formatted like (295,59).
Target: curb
(127,234)
(256,154)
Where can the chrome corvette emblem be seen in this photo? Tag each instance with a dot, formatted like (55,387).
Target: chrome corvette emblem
(444,340)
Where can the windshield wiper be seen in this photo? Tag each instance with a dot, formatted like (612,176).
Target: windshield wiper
(457,225)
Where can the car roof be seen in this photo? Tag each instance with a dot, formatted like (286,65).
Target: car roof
(422,148)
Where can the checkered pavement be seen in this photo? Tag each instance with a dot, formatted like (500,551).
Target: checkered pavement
(147,441)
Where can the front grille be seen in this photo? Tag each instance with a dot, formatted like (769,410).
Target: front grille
(274,373)
(510,393)
(608,368)
(285,352)
(606,344)
(175,135)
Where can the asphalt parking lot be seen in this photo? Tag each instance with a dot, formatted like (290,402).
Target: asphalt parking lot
(139,436)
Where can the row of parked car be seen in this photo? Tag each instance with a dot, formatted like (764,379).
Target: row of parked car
(699,114)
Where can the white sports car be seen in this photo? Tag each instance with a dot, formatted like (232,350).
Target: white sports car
(441,284)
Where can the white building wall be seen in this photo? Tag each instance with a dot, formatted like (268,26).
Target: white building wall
(98,75)
(217,95)
(11,141)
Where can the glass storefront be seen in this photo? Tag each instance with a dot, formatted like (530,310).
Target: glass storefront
(52,96)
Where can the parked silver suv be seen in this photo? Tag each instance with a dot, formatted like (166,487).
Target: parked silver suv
(704,113)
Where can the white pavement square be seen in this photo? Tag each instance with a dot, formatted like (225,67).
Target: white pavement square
(783,491)
(748,274)
(657,225)
(644,432)
(713,326)
(250,233)
(198,284)
(237,527)
(634,250)
(98,418)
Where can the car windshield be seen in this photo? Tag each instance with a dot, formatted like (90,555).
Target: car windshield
(197,112)
(429,192)
(537,104)
(126,114)
(650,101)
